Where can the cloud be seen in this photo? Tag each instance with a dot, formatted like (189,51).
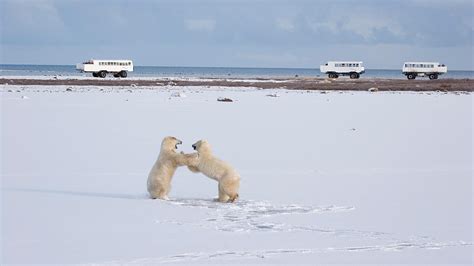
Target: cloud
(322,26)
(31,20)
(438,3)
(204,25)
(367,25)
(269,59)
(285,24)
(364,26)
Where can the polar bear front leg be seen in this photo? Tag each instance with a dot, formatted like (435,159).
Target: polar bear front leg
(193,169)
(222,195)
(189,159)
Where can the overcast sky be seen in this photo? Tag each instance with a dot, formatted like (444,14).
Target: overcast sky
(238,33)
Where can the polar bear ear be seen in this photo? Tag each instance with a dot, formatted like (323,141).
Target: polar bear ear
(202,142)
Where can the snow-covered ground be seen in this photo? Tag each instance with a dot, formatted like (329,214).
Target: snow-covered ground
(354,177)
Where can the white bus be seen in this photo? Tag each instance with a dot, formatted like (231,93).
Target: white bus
(334,69)
(100,68)
(430,69)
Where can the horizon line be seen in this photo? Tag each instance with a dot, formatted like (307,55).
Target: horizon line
(218,67)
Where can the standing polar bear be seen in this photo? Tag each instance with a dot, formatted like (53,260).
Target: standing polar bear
(159,179)
(214,168)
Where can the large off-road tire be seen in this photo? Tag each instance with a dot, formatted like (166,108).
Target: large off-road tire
(102,74)
(123,74)
(433,76)
(354,75)
(411,76)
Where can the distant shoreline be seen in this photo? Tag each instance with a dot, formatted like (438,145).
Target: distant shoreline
(320,84)
(315,67)
(146,72)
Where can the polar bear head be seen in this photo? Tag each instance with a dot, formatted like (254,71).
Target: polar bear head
(202,146)
(170,144)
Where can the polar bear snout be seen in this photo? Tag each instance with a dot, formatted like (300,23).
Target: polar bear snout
(178,142)
(199,144)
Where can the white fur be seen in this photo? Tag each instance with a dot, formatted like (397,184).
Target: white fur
(214,168)
(159,179)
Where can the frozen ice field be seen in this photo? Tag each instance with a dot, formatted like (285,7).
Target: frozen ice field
(343,178)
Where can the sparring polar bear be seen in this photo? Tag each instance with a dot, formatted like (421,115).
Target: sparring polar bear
(159,179)
(214,168)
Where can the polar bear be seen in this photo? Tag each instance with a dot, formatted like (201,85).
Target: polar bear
(159,179)
(214,168)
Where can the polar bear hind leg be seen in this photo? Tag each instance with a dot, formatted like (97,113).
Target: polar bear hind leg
(233,198)
(163,194)
(229,188)
(222,195)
